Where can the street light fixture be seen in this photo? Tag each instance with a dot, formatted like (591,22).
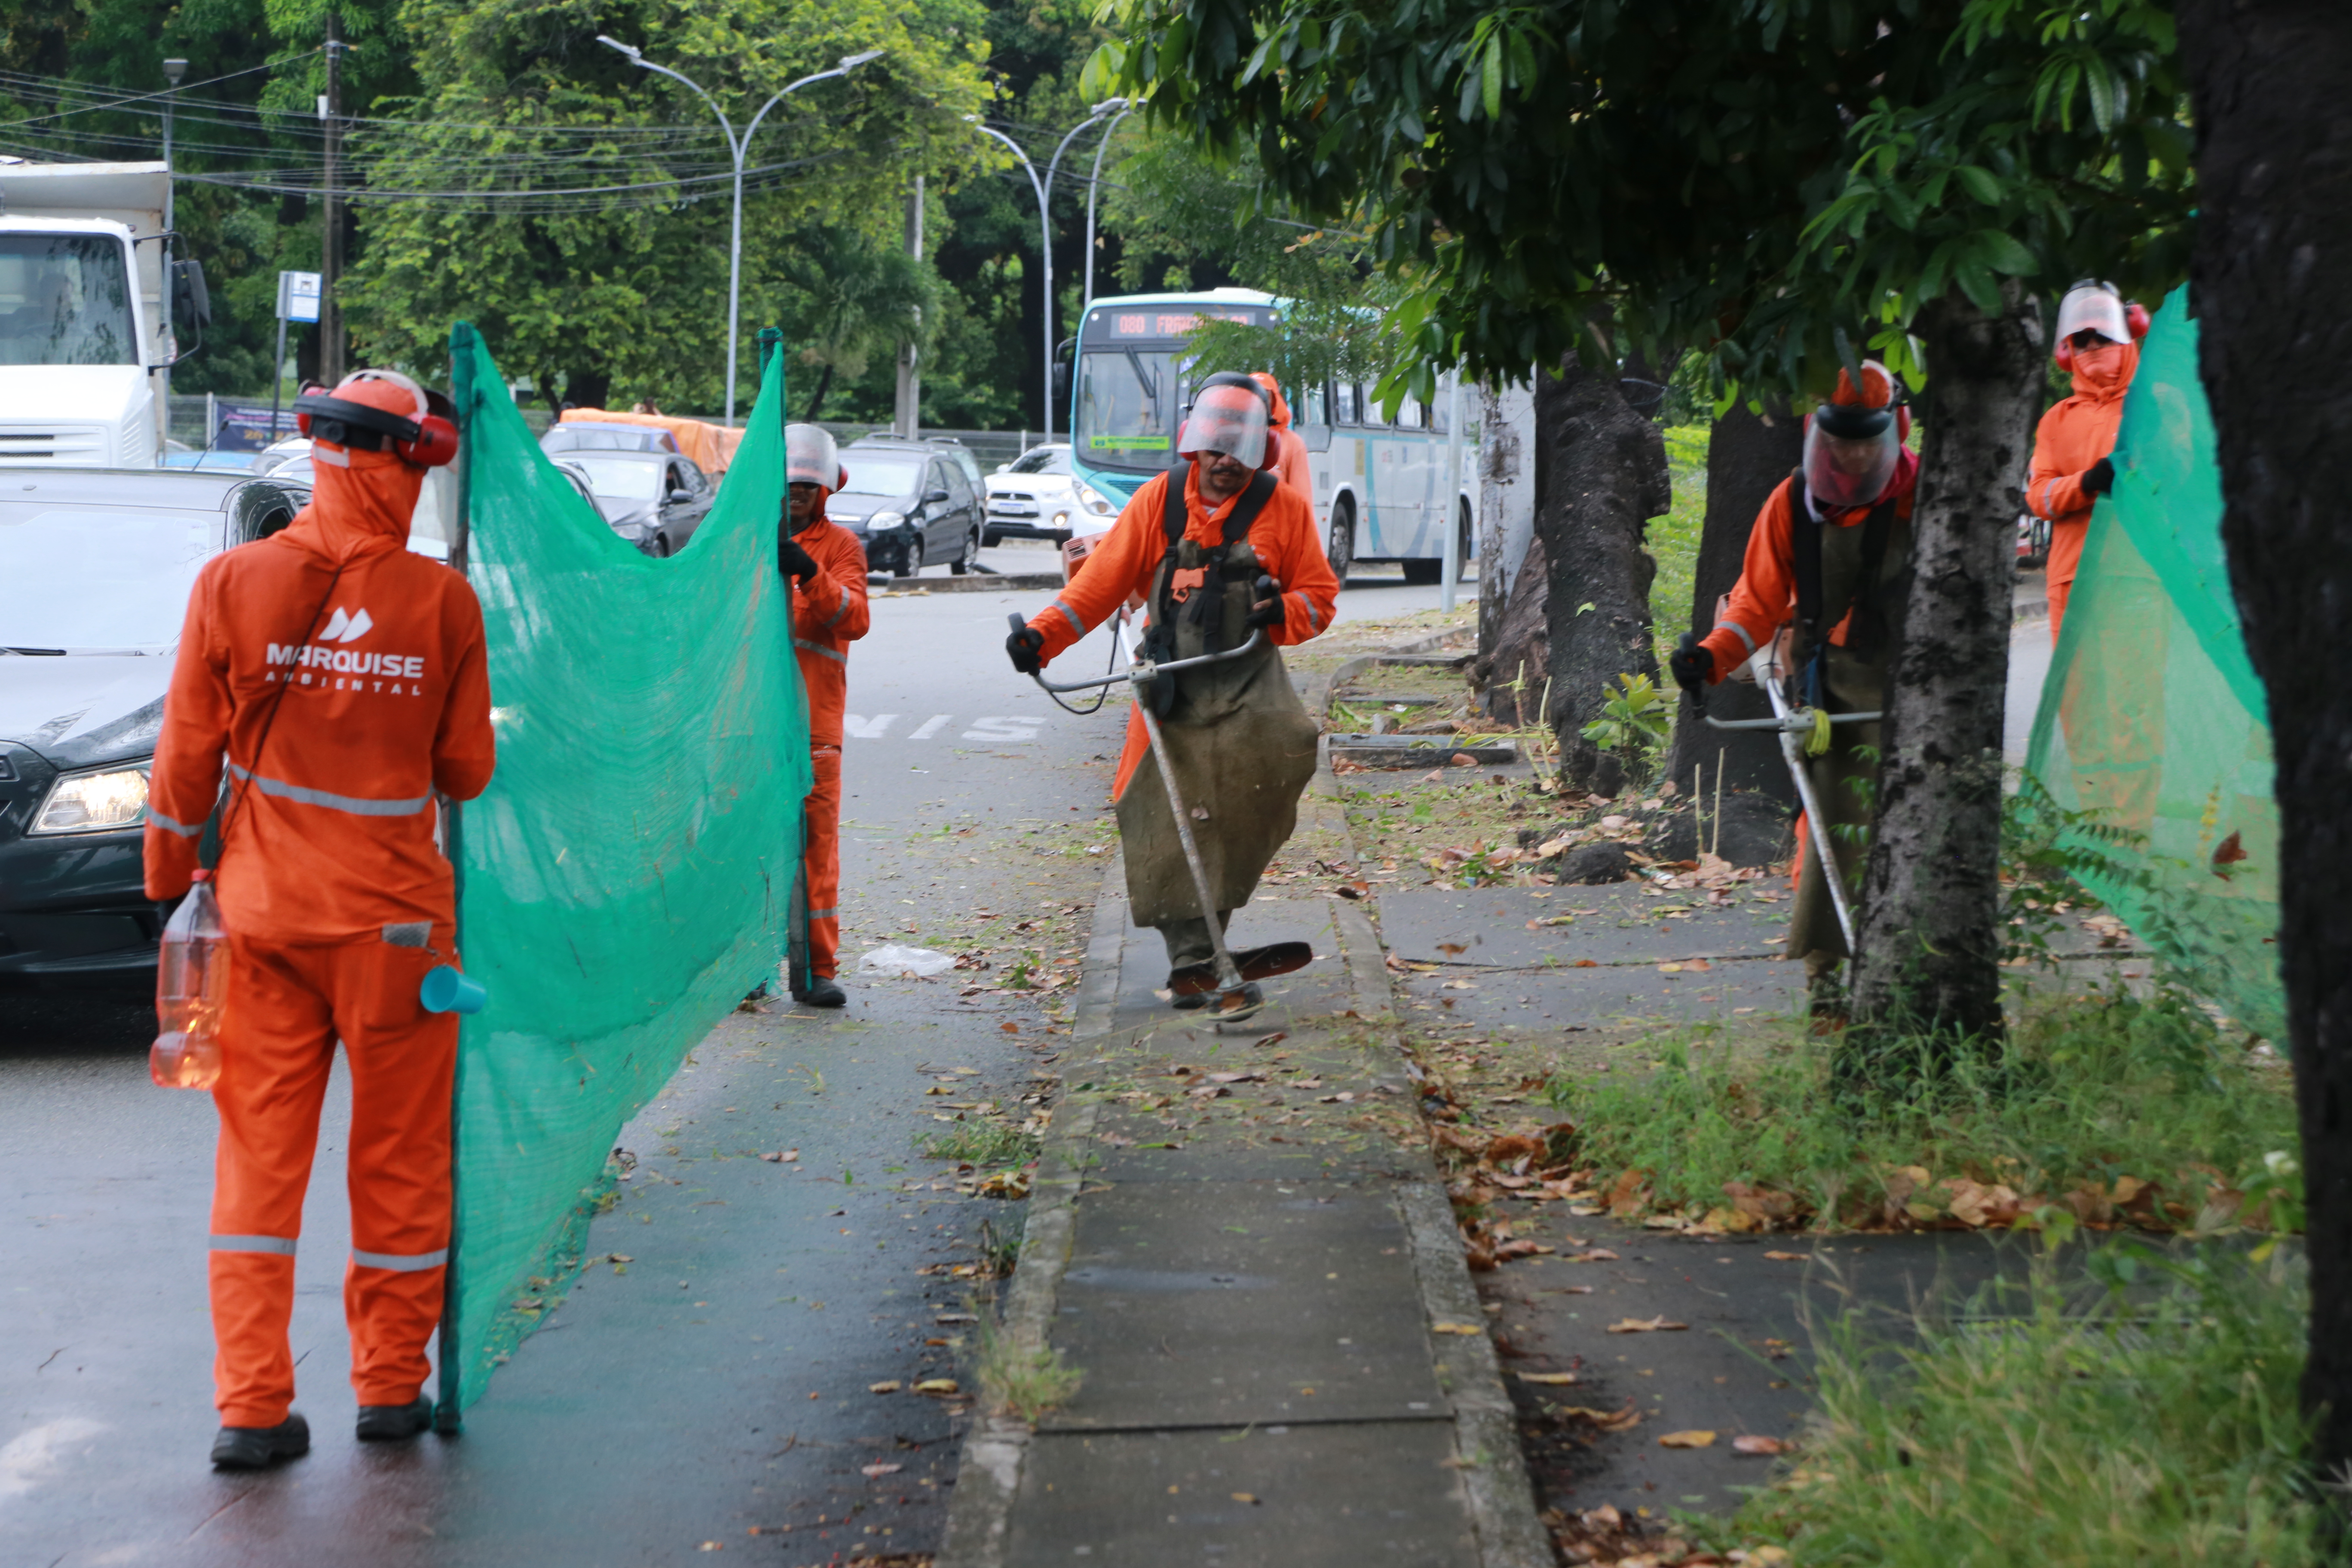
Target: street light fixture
(1043,189)
(738,146)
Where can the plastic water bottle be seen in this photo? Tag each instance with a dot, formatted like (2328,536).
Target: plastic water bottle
(190,985)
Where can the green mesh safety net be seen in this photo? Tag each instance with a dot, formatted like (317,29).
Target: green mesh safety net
(625,880)
(2153,718)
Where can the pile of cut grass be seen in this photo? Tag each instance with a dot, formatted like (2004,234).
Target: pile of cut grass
(2102,1107)
(2118,1432)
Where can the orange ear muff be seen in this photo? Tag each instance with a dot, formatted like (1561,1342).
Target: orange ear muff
(2136,318)
(435,443)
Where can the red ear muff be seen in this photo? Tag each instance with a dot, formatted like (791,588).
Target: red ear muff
(2136,318)
(2064,355)
(1903,425)
(435,443)
(1273,450)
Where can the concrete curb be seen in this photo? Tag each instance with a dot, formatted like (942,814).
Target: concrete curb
(972,583)
(988,1476)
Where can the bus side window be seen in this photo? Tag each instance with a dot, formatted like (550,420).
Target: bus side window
(1312,410)
(1351,408)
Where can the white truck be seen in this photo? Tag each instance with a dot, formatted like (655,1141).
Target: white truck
(85,335)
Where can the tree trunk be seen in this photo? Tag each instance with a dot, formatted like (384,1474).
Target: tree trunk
(1747,456)
(1930,926)
(816,398)
(587,388)
(1600,474)
(1511,672)
(2272,271)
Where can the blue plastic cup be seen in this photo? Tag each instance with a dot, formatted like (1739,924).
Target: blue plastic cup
(448,989)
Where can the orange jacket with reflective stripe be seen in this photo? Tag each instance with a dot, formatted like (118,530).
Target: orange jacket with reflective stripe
(1765,598)
(2074,434)
(386,702)
(829,613)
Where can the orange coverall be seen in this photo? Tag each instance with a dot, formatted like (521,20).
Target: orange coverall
(336,901)
(829,613)
(1282,537)
(2074,435)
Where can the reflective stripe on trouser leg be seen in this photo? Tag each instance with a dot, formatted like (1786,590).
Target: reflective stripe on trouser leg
(824,862)
(279,1043)
(403,1063)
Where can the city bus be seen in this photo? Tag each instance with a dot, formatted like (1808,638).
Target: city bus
(1379,483)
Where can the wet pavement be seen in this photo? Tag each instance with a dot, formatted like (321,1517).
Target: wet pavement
(711,1391)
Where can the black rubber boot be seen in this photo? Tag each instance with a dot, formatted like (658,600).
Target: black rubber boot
(394,1423)
(258,1448)
(820,992)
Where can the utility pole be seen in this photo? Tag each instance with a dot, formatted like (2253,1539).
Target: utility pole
(174,71)
(908,416)
(330,263)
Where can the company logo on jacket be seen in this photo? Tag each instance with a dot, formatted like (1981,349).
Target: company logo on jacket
(342,664)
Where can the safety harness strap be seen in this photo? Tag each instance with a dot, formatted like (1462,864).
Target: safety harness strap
(1869,614)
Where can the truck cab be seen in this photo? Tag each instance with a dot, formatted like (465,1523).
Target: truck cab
(85,337)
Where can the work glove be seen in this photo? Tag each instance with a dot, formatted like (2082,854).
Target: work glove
(793,561)
(1691,664)
(2099,477)
(1026,646)
(1267,611)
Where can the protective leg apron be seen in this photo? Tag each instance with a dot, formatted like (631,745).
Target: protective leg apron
(286,1007)
(1242,745)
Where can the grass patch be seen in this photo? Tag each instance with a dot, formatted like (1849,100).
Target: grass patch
(2103,1109)
(981,1143)
(1673,540)
(2115,1432)
(1025,1381)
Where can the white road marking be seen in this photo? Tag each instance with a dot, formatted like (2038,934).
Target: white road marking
(929,727)
(1017,728)
(873,729)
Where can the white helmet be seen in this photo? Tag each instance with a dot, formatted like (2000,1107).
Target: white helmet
(812,458)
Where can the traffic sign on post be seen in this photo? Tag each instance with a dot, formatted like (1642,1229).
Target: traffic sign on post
(298,296)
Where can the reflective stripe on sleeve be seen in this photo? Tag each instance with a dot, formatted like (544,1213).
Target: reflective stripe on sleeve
(184,829)
(840,611)
(400,1263)
(1314,621)
(281,1245)
(833,654)
(358,805)
(1736,626)
(1076,629)
(825,914)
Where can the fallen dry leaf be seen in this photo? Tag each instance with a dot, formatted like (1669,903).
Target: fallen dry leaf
(1456,1328)
(938,1386)
(1644,1326)
(1789,1257)
(1607,1420)
(870,1471)
(1245,1497)
(887,1385)
(784,1156)
(1687,1440)
(1555,1379)
(1757,1442)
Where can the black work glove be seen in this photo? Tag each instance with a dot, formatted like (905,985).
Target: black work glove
(2099,477)
(791,560)
(1691,664)
(1267,611)
(1026,648)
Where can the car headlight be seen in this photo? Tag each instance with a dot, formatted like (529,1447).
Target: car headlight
(94,803)
(885,520)
(1093,499)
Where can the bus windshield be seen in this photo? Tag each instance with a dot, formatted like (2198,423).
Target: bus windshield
(1128,407)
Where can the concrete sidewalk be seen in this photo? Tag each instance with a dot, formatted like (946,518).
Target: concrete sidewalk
(1243,1244)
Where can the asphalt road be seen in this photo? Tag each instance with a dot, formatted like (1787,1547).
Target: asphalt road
(712,1393)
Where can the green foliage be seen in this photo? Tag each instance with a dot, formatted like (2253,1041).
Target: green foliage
(1634,718)
(860,295)
(2037,1423)
(981,1143)
(1673,540)
(2083,1090)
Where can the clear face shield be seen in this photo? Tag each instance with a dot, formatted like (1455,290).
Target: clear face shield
(811,457)
(1228,419)
(1849,454)
(2093,307)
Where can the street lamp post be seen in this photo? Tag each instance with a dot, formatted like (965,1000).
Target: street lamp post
(737,146)
(1087,299)
(1043,189)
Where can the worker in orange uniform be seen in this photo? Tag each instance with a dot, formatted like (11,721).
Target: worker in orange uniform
(1290,453)
(827,567)
(1221,548)
(1828,558)
(342,680)
(2098,344)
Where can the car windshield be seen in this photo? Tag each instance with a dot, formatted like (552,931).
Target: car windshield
(1127,407)
(606,437)
(65,299)
(621,478)
(887,477)
(1044,460)
(99,579)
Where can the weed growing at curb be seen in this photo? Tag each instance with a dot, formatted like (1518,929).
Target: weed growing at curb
(981,1143)
(1024,1383)
(2103,1109)
(2100,1434)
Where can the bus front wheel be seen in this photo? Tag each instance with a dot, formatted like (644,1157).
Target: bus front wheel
(1339,548)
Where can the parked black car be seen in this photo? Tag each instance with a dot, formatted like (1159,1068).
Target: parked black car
(654,500)
(95,568)
(912,504)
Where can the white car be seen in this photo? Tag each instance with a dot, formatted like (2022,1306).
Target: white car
(1036,496)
